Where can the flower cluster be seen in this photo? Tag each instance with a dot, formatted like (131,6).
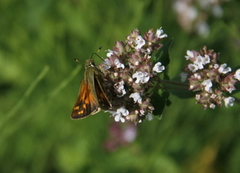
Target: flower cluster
(129,73)
(120,135)
(212,81)
(192,15)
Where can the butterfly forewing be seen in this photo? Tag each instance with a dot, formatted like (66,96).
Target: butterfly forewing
(91,96)
(87,102)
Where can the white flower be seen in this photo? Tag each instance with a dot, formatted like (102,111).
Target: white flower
(208,84)
(160,33)
(118,64)
(107,64)
(110,52)
(229,101)
(223,69)
(120,114)
(206,59)
(136,97)
(140,42)
(141,77)
(119,88)
(192,67)
(158,67)
(237,74)
(197,76)
(183,76)
(149,117)
(199,62)
(212,105)
(147,52)
(189,55)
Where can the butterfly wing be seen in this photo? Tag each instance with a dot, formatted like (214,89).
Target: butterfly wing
(91,96)
(103,100)
(87,103)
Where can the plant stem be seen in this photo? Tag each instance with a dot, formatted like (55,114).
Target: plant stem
(175,85)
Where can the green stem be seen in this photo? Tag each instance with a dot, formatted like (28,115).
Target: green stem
(28,92)
(175,85)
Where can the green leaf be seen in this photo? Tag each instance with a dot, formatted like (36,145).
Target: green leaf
(159,100)
(162,55)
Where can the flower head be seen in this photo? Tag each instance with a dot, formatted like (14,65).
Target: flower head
(212,80)
(130,74)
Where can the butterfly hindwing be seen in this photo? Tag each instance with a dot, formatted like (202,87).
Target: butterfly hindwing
(103,101)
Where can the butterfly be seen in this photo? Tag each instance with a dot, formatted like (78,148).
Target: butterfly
(92,96)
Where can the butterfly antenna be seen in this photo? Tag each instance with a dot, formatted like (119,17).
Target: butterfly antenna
(94,53)
(75,59)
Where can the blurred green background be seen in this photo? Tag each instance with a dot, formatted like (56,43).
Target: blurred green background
(39,83)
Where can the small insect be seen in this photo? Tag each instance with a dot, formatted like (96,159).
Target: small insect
(92,97)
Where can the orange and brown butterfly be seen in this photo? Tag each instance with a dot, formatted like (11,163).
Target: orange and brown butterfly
(92,96)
